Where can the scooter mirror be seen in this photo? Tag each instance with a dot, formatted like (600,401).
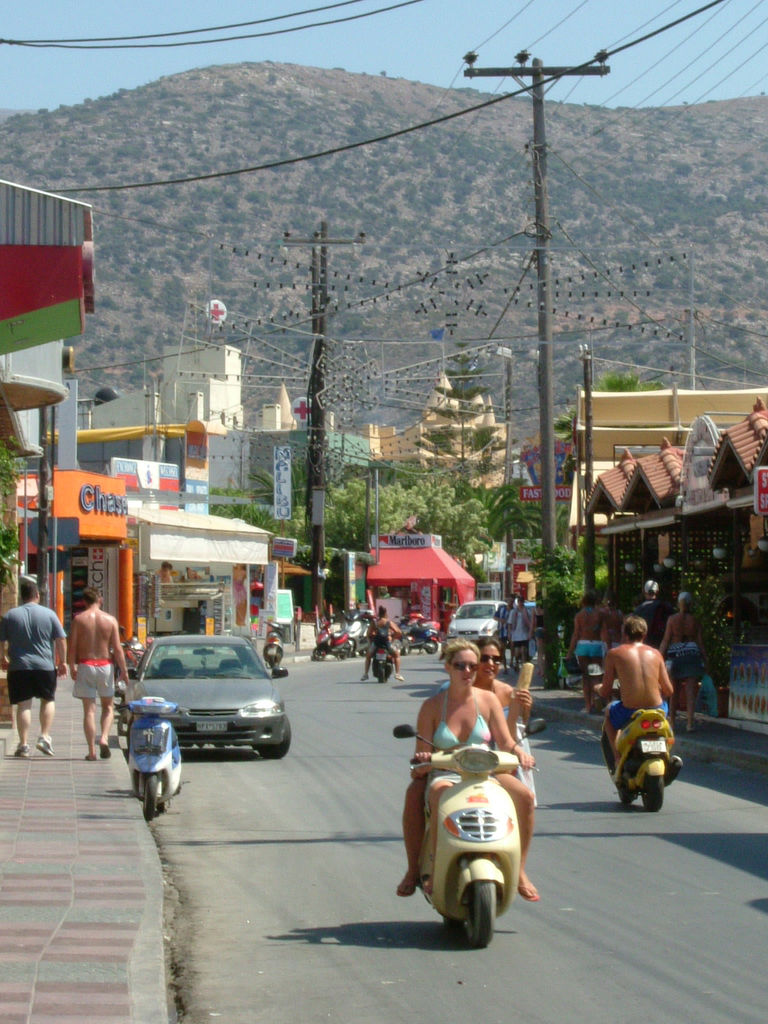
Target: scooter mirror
(535,725)
(403,732)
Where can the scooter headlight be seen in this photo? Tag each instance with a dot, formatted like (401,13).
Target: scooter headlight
(150,741)
(476,759)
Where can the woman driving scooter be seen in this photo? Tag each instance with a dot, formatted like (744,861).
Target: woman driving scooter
(455,717)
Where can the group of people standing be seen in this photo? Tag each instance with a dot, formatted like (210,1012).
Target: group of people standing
(598,628)
(36,654)
(519,626)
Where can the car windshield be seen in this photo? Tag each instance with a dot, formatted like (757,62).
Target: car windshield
(476,611)
(203,661)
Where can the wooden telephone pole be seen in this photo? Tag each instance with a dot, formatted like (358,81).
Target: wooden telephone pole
(539,75)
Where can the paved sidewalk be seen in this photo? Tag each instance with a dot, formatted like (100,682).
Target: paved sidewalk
(81,889)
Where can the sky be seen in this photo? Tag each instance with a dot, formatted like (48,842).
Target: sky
(720,54)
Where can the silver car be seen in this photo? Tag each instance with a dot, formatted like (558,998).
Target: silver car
(225,694)
(473,619)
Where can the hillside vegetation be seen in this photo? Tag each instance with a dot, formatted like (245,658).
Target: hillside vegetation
(637,198)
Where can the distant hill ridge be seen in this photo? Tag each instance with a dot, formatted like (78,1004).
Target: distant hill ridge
(633,193)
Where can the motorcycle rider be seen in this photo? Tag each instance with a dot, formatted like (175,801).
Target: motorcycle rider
(381,633)
(642,677)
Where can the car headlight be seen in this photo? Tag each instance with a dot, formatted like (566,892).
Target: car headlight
(260,709)
(487,630)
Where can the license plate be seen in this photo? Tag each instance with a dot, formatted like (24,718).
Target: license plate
(381,655)
(211,726)
(653,746)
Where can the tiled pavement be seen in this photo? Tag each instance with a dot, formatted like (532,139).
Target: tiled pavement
(81,889)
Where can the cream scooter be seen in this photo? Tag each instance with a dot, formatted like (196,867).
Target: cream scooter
(477,858)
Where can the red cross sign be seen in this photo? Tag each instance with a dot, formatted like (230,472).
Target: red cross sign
(217,311)
(300,410)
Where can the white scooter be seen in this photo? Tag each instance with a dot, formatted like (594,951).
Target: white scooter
(477,858)
(154,757)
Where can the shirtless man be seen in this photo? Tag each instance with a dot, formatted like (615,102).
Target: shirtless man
(642,676)
(94,643)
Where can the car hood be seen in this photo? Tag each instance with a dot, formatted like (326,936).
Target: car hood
(212,694)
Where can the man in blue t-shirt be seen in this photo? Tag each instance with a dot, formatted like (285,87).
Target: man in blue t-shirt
(33,650)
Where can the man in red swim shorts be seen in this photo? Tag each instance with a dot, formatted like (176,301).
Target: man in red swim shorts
(94,644)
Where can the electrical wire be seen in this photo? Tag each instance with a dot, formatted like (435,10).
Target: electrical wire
(388,136)
(207,42)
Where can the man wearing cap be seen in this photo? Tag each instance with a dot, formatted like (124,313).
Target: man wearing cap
(655,611)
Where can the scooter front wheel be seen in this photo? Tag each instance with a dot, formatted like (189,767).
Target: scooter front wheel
(481,914)
(151,786)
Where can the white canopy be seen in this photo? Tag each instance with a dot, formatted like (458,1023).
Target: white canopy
(175,536)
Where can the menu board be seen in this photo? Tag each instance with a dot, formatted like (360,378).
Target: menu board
(748,697)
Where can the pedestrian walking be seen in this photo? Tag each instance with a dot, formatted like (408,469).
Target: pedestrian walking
(33,649)
(94,651)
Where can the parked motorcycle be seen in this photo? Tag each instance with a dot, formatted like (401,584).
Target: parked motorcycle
(273,645)
(154,757)
(359,623)
(420,635)
(477,860)
(332,642)
(645,767)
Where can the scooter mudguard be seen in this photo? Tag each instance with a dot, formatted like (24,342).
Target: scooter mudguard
(653,766)
(480,869)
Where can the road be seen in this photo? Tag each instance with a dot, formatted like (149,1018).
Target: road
(282,876)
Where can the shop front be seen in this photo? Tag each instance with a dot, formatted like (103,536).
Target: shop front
(703,528)
(196,573)
(87,531)
(414,569)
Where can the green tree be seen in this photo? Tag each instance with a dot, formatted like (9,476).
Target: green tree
(9,531)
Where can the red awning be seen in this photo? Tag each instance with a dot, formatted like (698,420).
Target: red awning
(399,567)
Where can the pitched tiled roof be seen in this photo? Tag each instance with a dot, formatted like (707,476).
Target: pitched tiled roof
(657,480)
(610,486)
(739,448)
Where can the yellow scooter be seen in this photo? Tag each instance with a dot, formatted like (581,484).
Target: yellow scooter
(477,859)
(645,765)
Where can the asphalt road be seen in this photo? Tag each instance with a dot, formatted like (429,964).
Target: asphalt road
(282,877)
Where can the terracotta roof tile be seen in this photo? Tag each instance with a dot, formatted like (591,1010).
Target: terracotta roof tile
(657,480)
(739,447)
(610,486)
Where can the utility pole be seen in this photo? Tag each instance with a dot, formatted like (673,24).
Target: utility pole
(316,430)
(43,508)
(538,74)
(585,354)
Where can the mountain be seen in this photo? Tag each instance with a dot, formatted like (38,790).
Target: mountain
(653,212)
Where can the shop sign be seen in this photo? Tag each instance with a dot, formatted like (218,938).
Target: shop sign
(282,481)
(284,547)
(94,499)
(534,493)
(761,491)
(410,540)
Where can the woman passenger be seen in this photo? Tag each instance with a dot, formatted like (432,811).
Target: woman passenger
(457,716)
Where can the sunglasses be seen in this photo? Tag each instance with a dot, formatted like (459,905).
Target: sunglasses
(464,666)
(487,658)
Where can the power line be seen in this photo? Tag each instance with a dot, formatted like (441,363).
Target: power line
(397,133)
(76,45)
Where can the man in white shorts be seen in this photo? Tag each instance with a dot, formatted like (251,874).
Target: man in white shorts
(94,647)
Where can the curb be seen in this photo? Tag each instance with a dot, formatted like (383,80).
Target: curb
(697,751)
